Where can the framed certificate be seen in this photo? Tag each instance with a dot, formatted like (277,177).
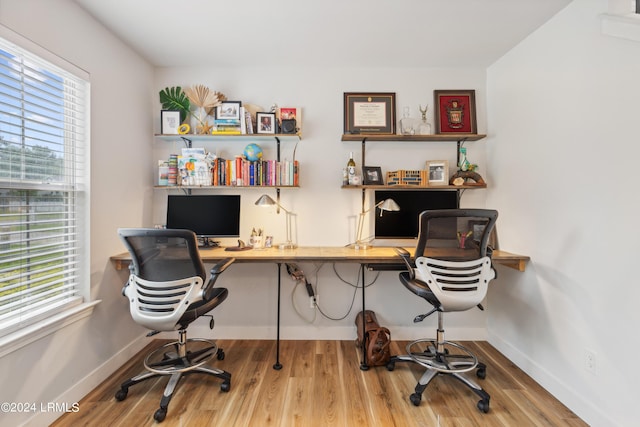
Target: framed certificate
(370,113)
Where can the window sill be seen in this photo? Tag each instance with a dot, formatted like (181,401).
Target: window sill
(19,339)
(623,26)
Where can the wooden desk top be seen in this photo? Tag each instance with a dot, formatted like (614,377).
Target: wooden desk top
(371,255)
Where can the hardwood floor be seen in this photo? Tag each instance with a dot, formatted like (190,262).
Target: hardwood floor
(321,384)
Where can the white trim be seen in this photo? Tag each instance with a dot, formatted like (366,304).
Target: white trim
(590,412)
(87,384)
(28,334)
(622,26)
(324,332)
(35,49)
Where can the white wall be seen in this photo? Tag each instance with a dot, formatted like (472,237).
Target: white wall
(325,212)
(563,153)
(64,366)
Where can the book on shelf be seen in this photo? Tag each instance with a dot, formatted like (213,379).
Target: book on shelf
(244,173)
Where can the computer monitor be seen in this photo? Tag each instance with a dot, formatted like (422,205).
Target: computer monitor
(209,216)
(403,224)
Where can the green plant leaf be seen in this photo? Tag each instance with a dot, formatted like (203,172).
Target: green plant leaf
(173,98)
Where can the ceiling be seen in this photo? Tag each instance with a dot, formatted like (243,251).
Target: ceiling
(353,33)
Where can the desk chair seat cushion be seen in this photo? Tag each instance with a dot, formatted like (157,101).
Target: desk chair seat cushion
(195,310)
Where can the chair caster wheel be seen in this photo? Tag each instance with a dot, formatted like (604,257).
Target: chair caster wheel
(220,355)
(160,415)
(483,406)
(415,398)
(121,394)
(391,366)
(225,386)
(481,373)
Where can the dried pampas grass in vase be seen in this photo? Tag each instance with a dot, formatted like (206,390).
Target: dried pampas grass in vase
(205,100)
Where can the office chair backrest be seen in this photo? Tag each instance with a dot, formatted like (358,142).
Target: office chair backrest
(457,266)
(167,276)
(445,228)
(163,254)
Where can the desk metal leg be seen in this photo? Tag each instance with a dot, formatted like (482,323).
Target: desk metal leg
(277,366)
(363,365)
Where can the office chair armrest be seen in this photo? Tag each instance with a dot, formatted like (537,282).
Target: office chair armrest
(406,257)
(221,266)
(216,270)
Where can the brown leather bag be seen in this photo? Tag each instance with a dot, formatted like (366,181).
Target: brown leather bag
(377,339)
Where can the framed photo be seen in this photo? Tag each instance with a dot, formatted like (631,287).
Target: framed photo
(477,228)
(370,113)
(372,175)
(438,172)
(455,111)
(228,110)
(169,122)
(266,122)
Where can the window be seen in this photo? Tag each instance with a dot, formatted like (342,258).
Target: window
(44,141)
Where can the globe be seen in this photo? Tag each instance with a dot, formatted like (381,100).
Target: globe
(253,152)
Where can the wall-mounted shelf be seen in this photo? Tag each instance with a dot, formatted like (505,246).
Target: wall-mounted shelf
(416,187)
(453,137)
(219,187)
(239,137)
(188,140)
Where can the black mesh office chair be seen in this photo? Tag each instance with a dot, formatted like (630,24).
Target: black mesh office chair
(451,270)
(167,290)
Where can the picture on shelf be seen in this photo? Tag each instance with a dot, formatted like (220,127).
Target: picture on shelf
(266,122)
(290,119)
(228,110)
(372,175)
(169,122)
(455,111)
(370,113)
(438,172)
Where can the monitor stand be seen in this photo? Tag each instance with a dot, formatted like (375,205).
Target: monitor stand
(207,242)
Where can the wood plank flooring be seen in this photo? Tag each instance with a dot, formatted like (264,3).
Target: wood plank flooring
(321,384)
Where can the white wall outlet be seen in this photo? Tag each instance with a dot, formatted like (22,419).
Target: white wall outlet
(590,361)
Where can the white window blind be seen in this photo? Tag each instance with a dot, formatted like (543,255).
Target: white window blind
(43,141)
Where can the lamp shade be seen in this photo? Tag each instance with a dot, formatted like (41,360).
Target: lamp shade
(385,205)
(265,200)
(388,205)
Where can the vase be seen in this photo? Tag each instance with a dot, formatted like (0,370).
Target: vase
(406,123)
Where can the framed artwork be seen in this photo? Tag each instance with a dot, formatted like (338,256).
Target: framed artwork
(266,122)
(169,122)
(370,113)
(477,228)
(455,111)
(290,119)
(372,175)
(228,110)
(438,172)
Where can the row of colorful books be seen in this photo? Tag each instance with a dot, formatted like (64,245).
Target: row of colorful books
(242,173)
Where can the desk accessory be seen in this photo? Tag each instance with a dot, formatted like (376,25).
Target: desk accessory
(265,200)
(385,205)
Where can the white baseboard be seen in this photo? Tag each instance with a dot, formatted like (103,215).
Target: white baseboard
(588,411)
(341,333)
(309,332)
(90,382)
